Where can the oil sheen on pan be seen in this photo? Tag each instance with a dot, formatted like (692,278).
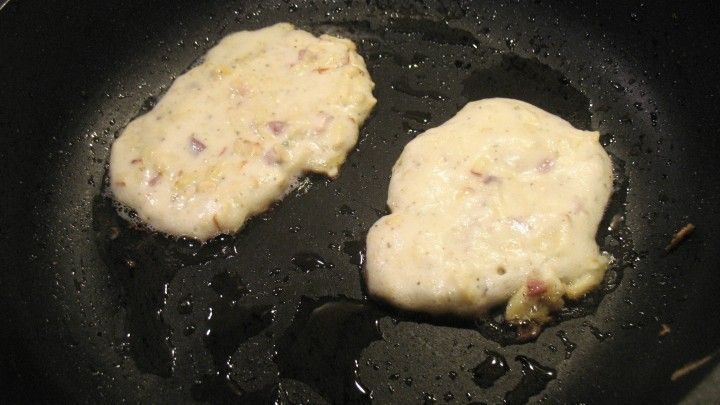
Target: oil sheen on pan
(499,204)
(233,134)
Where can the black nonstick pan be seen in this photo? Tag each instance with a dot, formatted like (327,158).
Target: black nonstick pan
(95,310)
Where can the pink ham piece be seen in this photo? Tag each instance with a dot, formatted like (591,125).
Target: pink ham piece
(277,127)
(196,145)
(546,165)
(535,288)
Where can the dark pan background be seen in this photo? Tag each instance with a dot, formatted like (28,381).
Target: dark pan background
(94,310)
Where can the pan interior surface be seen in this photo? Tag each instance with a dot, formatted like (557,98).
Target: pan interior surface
(106,311)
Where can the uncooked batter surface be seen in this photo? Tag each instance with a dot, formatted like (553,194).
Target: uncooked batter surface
(500,203)
(231,135)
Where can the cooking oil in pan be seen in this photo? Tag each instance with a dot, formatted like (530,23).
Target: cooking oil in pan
(323,343)
(280,289)
(534,379)
(490,370)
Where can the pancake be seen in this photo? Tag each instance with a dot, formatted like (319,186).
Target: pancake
(233,134)
(499,204)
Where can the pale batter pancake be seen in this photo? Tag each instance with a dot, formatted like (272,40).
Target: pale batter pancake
(232,134)
(500,203)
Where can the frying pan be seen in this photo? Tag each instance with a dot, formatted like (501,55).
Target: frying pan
(94,309)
